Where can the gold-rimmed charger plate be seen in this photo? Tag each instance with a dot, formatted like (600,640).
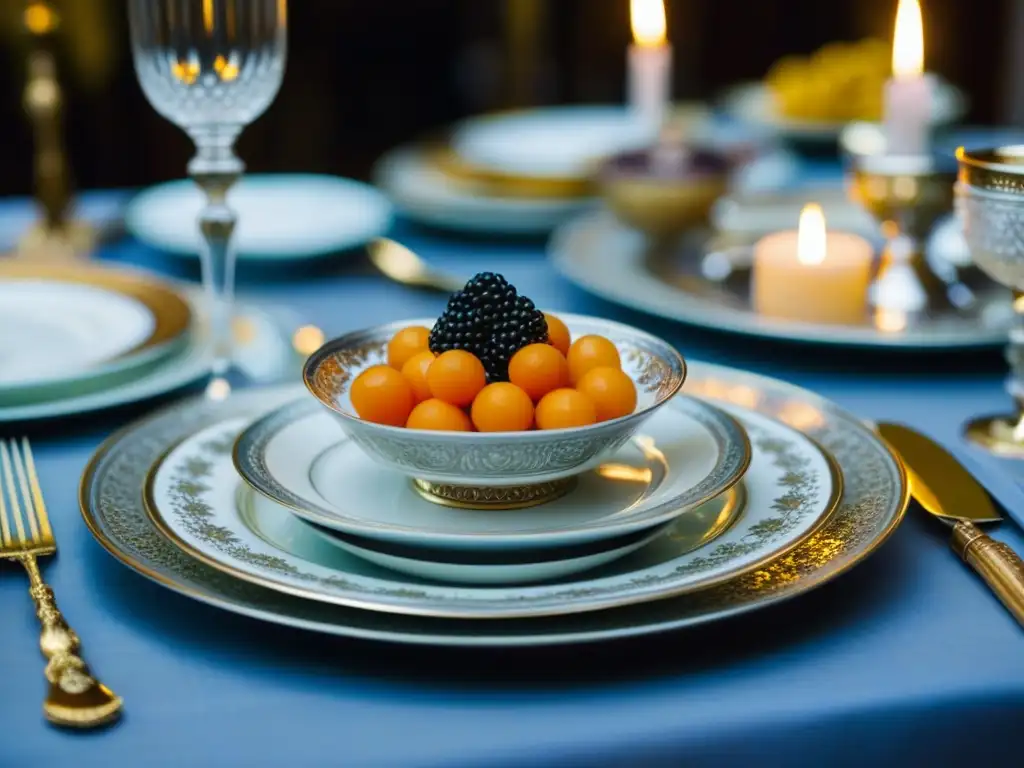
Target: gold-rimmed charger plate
(169,318)
(792,487)
(875,496)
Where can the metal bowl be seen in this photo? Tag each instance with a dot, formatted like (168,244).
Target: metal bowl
(665,199)
(485,468)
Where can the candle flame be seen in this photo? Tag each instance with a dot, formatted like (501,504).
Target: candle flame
(647,17)
(908,40)
(810,237)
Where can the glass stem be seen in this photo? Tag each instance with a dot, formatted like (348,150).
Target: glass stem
(215,168)
(1015,358)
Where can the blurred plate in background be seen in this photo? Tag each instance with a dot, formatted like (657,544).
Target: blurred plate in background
(70,328)
(552,143)
(281,217)
(423,192)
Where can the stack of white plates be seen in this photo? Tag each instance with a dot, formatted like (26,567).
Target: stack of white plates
(734,495)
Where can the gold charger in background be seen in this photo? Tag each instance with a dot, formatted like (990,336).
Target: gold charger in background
(172,314)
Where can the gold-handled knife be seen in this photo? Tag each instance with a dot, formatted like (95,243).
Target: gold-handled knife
(945,488)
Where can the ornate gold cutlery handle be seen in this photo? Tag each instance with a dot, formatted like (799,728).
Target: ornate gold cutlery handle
(1000,567)
(75,698)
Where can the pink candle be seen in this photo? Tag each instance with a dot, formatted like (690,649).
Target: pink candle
(649,63)
(908,94)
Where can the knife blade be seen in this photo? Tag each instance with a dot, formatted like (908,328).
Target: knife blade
(943,487)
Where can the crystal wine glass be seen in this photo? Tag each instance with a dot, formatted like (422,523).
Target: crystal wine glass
(211,67)
(990,202)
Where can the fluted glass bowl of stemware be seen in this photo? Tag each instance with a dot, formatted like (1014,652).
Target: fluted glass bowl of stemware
(990,204)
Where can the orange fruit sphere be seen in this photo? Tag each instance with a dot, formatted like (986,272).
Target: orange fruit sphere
(538,369)
(610,390)
(382,395)
(565,408)
(502,407)
(415,370)
(456,376)
(407,343)
(591,352)
(438,416)
(558,334)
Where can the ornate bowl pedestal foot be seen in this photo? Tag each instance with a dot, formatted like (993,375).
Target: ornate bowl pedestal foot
(493,497)
(908,195)
(990,202)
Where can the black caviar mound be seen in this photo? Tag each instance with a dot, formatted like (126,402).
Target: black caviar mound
(489,319)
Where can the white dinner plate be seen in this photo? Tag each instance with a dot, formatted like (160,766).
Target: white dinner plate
(686,453)
(70,329)
(556,142)
(791,488)
(280,216)
(261,342)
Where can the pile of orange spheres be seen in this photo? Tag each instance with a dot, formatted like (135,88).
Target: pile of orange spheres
(560,384)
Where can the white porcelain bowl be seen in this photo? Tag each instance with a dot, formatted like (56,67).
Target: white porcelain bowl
(495,459)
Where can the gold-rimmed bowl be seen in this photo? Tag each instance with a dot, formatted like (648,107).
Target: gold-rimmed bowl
(509,469)
(663,192)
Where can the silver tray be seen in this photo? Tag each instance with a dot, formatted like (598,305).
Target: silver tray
(606,258)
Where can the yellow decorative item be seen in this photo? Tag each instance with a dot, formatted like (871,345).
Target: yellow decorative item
(839,82)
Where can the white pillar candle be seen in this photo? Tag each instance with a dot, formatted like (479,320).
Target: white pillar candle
(908,94)
(812,275)
(649,65)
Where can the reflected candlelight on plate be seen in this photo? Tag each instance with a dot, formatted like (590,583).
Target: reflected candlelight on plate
(649,64)
(908,94)
(811,274)
(625,473)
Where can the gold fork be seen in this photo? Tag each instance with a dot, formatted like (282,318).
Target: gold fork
(75,698)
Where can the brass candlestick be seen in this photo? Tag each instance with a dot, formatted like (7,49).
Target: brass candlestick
(56,235)
(908,195)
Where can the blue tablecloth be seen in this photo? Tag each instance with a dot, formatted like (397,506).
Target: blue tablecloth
(907,660)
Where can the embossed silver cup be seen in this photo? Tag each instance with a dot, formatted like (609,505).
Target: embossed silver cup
(990,204)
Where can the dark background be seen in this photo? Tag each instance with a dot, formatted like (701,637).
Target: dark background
(364,75)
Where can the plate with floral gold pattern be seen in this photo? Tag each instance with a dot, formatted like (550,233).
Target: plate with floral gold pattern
(789,490)
(874,498)
(686,453)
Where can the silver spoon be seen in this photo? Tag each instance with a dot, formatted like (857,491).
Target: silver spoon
(403,266)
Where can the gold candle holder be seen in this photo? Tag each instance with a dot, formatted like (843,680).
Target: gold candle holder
(56,235)
(907,195)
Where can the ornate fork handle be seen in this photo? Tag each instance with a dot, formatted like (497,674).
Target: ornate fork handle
(75,698)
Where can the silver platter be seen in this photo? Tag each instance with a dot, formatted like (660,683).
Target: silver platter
(706,284)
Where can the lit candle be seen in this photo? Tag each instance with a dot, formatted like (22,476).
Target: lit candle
(908,94)
(812,275)
(650,65)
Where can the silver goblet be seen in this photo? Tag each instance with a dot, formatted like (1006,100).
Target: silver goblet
(211,67)
(990,203)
